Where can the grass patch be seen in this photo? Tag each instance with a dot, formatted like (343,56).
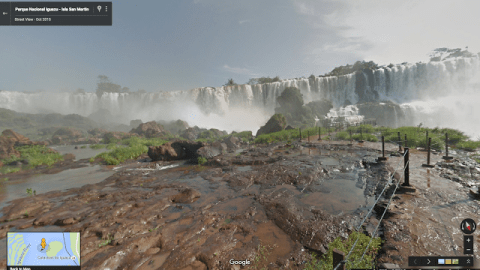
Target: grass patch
(31,192)
(362,129)
(342,136)
(261,257)
(201,161)
(325,262)
(365,137)
(134,147)
(35,155)
(107,241)
(111,146)
(83,146)
(468,145)
(97,146)
(9,169)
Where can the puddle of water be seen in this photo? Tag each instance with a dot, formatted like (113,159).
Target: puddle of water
(80,153)
(234,207)
(328,161)
(339,195)
(155,262)
(244,168)
(64,180)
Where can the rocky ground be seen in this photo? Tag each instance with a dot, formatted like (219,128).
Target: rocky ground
(425,219)
(274,200)
(272,205)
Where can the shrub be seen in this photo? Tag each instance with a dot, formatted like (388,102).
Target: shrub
(201,160)
(468,145)
(97,146)
(135,147)
(342,135)
(325,262)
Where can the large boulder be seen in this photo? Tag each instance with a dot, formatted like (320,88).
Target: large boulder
(150,130)
(66,135)
(276,123)
(176,150)
(66,132)
(191,133)
(215,149)
(97,131)
(232,142)
(175,127)
(9,139)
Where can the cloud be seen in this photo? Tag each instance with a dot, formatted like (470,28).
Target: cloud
(243,21)
(302,8)
(238,70)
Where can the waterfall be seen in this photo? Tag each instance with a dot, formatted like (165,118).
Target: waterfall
(402,84)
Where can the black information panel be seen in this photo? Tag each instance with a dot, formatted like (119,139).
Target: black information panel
(56,13)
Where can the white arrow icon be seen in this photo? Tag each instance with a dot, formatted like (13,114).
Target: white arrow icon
(428,261)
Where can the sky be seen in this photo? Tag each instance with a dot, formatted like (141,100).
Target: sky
(184,44)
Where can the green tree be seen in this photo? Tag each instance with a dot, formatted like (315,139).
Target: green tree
(230,82)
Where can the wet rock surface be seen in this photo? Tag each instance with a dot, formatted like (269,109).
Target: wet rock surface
(275,198)
(424,220)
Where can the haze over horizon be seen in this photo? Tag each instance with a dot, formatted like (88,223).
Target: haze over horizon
(180,45)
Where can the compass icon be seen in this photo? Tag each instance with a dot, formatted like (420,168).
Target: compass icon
(468,226)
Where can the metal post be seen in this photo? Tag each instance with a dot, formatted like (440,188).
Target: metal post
(338,258)
(308,136)
(426,138)
(300,134)
(407,168)
(399,143)
(319,133)
(428,154)
(351,139)
(406,140)
(382,158)
(446,157)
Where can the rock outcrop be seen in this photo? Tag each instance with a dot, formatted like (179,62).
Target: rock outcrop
(213,150)
(150,130)
(177,150)
(9,139)
(276,123)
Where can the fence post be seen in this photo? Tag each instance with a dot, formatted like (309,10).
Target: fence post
(338,258)
(406,140)
(351,139)
(426,139)
(399,143)
(319,133)
(428,154)
(446,157)
(300,133)
(308,136)
(383,158)
(407,168)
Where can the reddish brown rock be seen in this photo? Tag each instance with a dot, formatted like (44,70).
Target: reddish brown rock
(150,130)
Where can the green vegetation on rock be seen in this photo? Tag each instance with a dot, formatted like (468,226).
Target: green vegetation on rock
(33,155)
(132,148)
(325,262)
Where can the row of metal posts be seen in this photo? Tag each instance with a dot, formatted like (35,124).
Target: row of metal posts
(338,256)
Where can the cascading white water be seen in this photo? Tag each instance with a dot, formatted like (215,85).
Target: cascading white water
(426,87)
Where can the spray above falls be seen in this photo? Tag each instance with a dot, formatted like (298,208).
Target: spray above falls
(242,107)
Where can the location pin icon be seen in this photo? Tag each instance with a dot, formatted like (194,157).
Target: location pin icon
(99,8)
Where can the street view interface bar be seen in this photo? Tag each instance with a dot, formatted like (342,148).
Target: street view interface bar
(56,13)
